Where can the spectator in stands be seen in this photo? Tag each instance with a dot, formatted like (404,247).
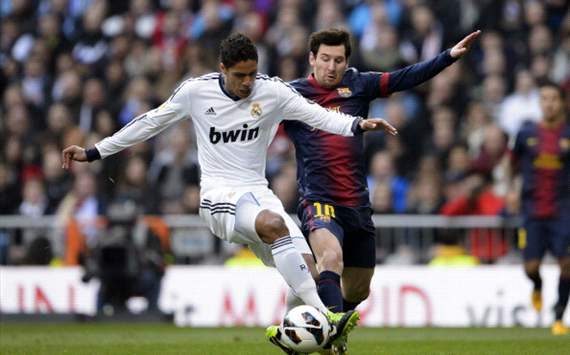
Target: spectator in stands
(34,202)
(329,15)
(133,186)
(492,150)
(59,122)
(492,94)
(91,46)
(522,105)
(393,187)
(67,89)
(82,206)
(458,162)
(426,37)
(380,41)
(176,171)
(476,197)
(443,138)
(284,185)
(212,23)
(74,69)
(449,252)
(560,70)
(252,24)
(104,124)
(35,83)
(425,196)
(473,127)
(381,198)
(10,193)
(137,99)
(56,182)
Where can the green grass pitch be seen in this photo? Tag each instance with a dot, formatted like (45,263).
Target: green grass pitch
(162,339)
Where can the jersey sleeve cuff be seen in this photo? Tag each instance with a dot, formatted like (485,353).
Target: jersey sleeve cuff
(448,58)
(356,129)
(92,154)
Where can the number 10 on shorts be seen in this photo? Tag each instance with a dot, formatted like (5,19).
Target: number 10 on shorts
(326,208)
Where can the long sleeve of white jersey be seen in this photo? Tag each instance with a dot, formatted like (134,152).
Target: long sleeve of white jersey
(295,107)
(148,124)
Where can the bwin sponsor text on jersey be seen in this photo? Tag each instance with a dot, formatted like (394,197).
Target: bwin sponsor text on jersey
(235,135)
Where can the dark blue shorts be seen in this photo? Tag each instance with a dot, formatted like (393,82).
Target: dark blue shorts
(352,227)
(539,235)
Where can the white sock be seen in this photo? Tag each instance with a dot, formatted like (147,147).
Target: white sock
(295,271)
(292,300)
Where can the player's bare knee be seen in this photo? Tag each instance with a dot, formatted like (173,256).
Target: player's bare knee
(270,226)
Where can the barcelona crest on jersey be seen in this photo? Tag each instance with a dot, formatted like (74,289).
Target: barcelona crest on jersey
(344,92)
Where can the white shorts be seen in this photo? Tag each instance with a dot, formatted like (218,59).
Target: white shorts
(218,208)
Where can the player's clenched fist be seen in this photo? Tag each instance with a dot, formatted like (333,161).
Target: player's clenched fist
(73,152)
(377,124)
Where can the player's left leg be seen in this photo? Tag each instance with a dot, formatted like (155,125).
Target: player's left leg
(359,250)
(533,243)
(532,271)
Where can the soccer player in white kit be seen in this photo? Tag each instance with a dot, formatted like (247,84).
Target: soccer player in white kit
(236,114)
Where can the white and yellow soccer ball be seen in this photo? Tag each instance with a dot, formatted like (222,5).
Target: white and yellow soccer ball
(305,329)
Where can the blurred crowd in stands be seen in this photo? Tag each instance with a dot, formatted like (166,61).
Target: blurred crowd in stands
(75,71)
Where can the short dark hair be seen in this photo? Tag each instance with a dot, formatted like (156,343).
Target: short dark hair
(551,84)
(330,37)
(237,48)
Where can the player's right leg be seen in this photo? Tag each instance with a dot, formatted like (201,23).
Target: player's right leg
(325,236)
(560,247)
(253,219)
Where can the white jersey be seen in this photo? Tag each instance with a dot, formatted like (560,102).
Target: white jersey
(232,134)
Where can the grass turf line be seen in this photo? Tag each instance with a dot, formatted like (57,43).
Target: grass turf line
(162,339)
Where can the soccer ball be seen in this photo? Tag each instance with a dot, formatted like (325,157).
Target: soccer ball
(305,329)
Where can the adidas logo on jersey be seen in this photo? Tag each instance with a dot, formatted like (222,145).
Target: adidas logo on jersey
(235,135)
(210,111)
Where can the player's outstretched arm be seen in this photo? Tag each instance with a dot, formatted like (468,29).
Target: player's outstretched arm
(377,124)
(72,153)
(416,74)
(464,45)
(138,130)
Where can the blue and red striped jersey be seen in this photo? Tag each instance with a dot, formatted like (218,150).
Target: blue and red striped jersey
(330,168)
(543,157)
